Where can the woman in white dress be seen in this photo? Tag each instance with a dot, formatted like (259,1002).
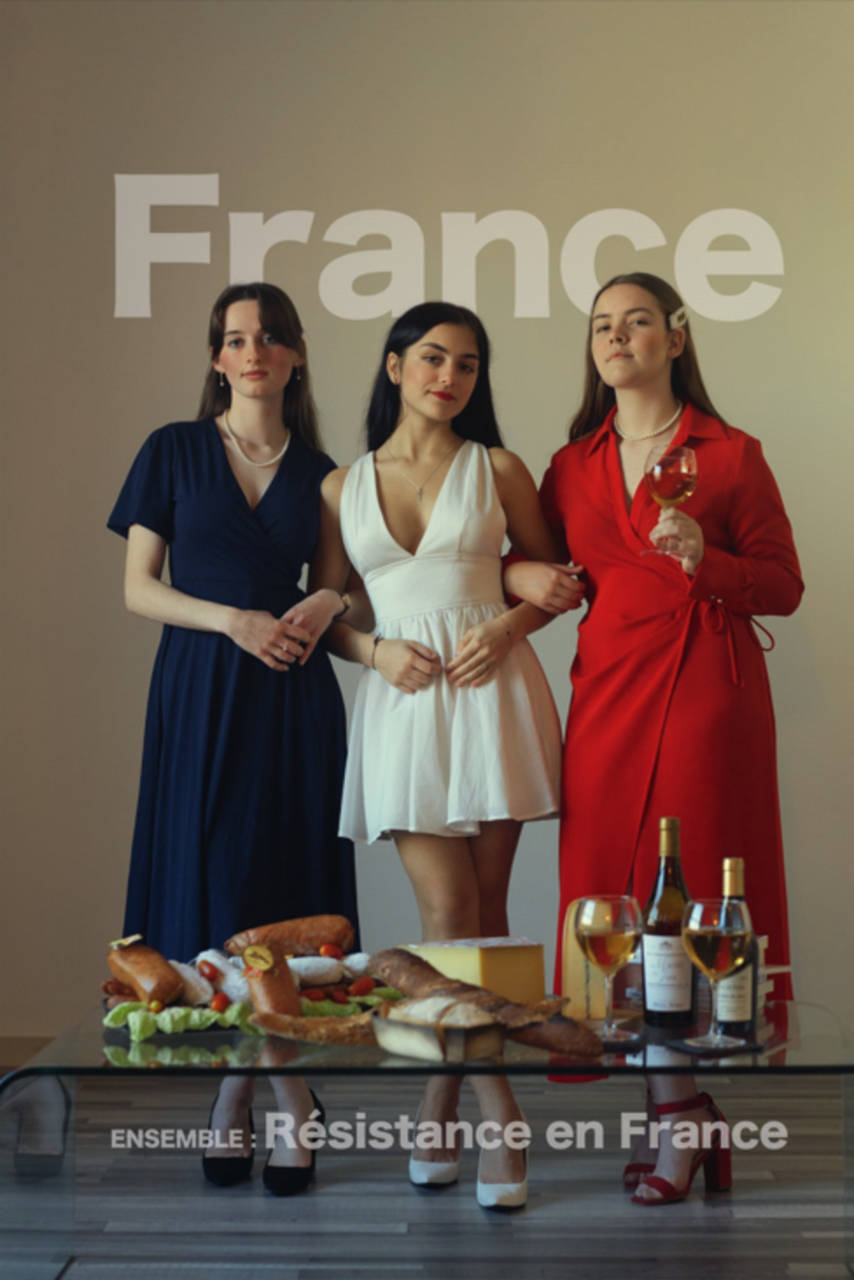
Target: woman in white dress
(454,739)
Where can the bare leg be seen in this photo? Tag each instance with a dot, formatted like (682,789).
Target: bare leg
(292,1096)
(231,1111)
(671,1162)
(461,889)
(443,876)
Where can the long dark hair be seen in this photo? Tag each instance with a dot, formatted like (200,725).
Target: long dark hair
(279,318)
(685,378)
(477,420)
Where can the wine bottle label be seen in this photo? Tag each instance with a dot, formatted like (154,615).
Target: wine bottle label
(735,996)
(667,974)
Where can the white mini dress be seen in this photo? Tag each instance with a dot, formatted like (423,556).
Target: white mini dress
(443,760)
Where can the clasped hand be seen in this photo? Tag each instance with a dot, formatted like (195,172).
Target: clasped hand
(279,642)
(480,652)
(679,536)
(410,666)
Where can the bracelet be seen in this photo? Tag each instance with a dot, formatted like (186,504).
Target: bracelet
(345,600)
(377,639)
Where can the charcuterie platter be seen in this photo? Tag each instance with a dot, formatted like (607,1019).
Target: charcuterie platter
(298,980)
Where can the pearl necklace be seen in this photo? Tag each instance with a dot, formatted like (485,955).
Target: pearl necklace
(419,488)
(649,435)
(233,438)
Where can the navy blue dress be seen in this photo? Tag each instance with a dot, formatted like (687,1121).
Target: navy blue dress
(242,766)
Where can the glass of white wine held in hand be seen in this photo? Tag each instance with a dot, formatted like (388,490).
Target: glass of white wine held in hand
(717,933)
(608,928)
(670,476)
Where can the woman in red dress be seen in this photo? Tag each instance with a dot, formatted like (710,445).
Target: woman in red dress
(671,708)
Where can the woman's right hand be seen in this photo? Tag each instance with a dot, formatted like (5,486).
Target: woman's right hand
(406,664)
(554,588)
(274,641)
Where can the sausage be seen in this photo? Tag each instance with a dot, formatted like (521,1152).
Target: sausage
(300,937)
(145,970)
(271,986)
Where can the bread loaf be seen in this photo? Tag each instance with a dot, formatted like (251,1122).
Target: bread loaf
(529,1025)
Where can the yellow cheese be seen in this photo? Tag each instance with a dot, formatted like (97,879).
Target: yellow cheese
(512,967)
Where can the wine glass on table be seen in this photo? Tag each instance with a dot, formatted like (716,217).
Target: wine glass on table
(717,934)
(670,476)
(608,928)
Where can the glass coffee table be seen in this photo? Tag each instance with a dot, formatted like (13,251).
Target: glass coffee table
(39,1224)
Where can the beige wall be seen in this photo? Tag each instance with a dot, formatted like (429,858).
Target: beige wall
(556,109)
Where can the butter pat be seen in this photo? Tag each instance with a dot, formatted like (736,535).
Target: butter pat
(512,967)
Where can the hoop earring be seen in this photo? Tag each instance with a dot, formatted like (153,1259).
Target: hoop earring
(221,379)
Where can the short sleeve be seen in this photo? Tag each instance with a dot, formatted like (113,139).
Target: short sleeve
(147,496)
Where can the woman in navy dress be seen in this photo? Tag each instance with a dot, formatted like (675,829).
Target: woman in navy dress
(244,743)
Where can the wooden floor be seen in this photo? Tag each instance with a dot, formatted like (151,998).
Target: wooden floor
(140,1215)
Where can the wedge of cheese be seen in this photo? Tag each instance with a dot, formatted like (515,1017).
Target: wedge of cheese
(512,967)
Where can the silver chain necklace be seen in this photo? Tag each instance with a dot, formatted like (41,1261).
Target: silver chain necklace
(234,440)
(649,435)
(419,488)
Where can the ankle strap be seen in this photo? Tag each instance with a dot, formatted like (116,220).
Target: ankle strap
(699,1101)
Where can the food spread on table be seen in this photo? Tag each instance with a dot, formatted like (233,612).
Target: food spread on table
(298,979)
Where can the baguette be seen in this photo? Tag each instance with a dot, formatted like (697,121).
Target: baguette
(538,1026)
(300,937)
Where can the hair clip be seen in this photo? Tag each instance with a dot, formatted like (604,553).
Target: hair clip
(677,318)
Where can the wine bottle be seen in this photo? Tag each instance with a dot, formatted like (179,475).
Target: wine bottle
(737,994)
(668,986)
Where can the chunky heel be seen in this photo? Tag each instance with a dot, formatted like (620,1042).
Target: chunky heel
(717,1169)
(716,1159)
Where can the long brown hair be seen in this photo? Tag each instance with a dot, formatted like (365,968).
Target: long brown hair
(685,377)
(279,318)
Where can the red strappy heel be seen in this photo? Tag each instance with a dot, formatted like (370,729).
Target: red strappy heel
(715,1159)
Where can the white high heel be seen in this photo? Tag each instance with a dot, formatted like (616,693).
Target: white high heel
(502,1195)
(432,1173)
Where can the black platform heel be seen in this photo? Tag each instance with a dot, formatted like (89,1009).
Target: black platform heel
(227,1171)
(281,1180)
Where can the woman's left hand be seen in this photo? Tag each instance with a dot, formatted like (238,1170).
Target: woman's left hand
(680,536)
(480,652)
(314,614)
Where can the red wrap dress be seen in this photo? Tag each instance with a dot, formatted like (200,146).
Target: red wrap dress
(671,707)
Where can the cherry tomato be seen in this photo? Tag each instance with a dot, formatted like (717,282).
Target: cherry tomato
(313,993)
(331,951)
(209,971)
(220,1002)
(155,1006)
(361,986)
(339,995)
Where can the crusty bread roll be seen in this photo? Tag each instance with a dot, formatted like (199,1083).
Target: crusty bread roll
(147,971)
(438,1010)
